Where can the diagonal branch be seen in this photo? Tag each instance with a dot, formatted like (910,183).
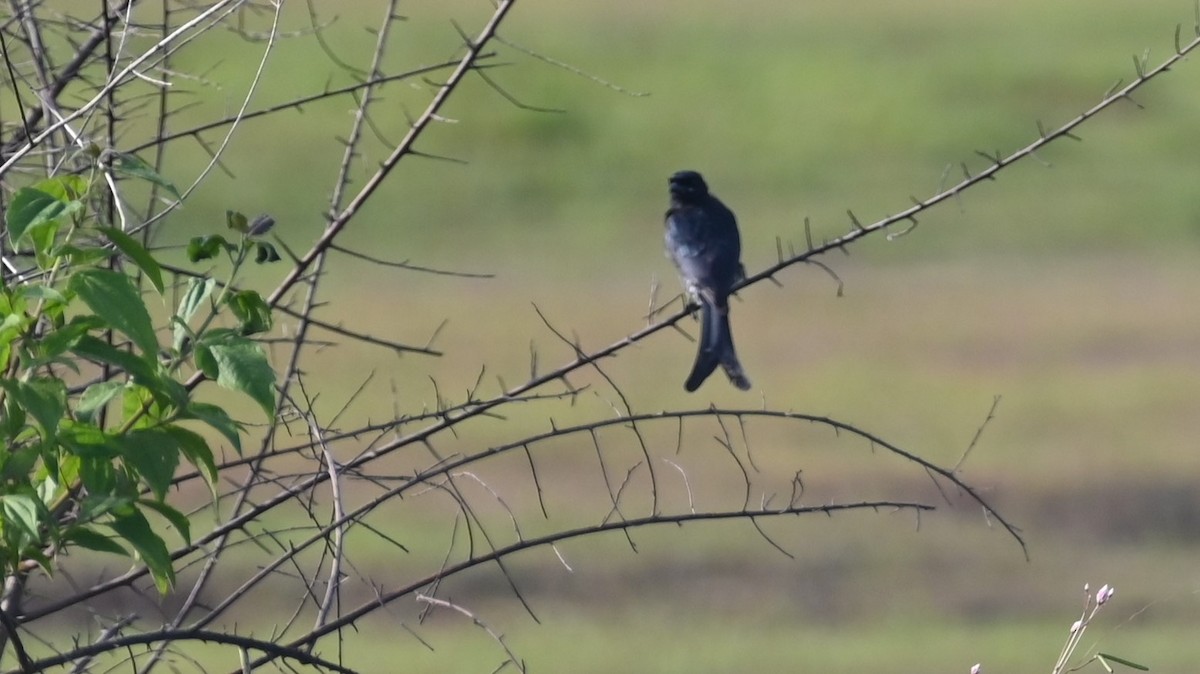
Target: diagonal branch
(113,83)
(405,147)
(386,598)
(998,164)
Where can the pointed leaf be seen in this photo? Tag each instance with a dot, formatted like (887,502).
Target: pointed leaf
(197,452)
(133,527)
(206,247)
(154,455)
(95,397)
(86,256)
(145,407)
(87,441)
(96,506)
(98,474)
(219,419)
(237,221)
(176,518)
(19,464)
(242,366)
(251,310)
(30,207)
(205,361)
(199,290)
(113,297)
(132,165)
(1125,662)
(65,187)
(136,252)
(20,514)
(40,292)
(42,237)
(265,252)
(44,399)
(12,421)
(57,342)
(94,540)
(99,350)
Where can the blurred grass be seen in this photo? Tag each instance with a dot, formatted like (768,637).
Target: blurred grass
(630,641)
(818,109)
(1068,291)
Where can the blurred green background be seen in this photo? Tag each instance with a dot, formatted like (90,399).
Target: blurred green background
(1066,287)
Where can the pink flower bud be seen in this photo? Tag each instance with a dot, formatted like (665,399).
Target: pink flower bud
(1076,625)
(976,669)
(1104,594)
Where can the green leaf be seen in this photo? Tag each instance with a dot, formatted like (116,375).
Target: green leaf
(57,342)
(133,527)
(1123,661)
(132,165)
(55,476)
(136,252)
(45,399)
(265,252)
(113,297)
(176,518)
(43,236)
(20,514)
(98,474)
(95,506)
(87,441)
(40,292)
(95,397)
(197,452)
(30,207)
(219,419)
(20,463)
(170,391)
(205,361)
(242,366)
(251,310)
(94,540)
(86,256)
(237,222)
(66,187)
(154,455)
(138,404)
(206,247)
(12,421)
(99,350)
(199,290)
(146,407)
(11,329)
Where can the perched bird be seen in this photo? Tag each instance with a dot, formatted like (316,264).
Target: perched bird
(702,240)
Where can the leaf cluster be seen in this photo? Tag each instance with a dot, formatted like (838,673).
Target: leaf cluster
(96,413)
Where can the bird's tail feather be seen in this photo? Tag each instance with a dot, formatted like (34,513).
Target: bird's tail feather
(716,348)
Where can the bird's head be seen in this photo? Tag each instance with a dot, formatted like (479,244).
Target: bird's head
(687,186)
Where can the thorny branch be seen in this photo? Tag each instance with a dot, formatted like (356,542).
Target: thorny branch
(278,476)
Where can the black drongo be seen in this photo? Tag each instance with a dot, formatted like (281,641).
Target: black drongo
(702,239)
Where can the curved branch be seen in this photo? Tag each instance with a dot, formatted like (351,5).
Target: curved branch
(274,651)
(386,598)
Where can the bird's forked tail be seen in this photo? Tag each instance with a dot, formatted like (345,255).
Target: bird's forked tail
(716,348)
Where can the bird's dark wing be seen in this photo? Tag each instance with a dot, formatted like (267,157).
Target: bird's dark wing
(702,239)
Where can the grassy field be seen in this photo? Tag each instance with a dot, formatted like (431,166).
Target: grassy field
(1068,291)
